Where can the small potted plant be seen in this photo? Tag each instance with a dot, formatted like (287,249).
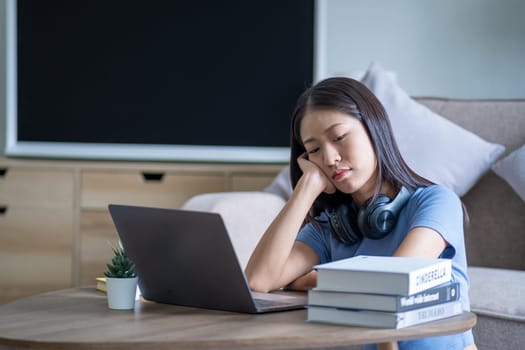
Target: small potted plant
(121,281)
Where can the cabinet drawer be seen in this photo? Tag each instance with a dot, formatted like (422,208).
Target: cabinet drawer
(47,188)
(98,189)
(36,246)
(97,232)
(39,272)
(32,229)
(250,182)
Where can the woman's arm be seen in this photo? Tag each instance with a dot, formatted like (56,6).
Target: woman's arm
(304,282)
(278,259)
(421,242)
(437,216)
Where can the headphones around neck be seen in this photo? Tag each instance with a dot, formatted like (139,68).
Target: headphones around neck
(373,220)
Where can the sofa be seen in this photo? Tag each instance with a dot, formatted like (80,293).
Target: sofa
(495,235)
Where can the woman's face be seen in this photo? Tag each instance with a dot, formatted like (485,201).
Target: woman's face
(338,144)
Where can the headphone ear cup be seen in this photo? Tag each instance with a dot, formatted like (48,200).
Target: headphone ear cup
(370,218)
(341,220)
(379,218)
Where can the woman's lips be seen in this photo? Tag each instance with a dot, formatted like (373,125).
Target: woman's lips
(339,174)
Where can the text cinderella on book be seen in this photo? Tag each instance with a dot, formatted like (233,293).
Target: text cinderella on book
(383,274)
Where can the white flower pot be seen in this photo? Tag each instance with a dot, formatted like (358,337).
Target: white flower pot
(121,292)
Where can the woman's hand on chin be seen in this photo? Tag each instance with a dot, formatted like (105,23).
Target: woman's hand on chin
(315,175)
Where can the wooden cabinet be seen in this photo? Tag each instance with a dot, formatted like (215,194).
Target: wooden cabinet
(36,226)
(54,224)
(147,188)
(250,181)
(165,189)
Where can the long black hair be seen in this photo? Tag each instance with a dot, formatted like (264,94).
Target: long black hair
(351,97)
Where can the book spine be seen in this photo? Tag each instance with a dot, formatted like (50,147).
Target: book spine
(351,317)
(432,296)
(101,284)
(429,277)
(384,302)
(427,314)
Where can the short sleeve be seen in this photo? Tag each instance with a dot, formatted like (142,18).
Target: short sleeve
(439,208)
(317,236)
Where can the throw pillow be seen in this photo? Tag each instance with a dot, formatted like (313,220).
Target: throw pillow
(281,184)
(432,146)
(512,169)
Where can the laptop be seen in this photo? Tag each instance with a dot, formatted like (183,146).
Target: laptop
(186,258)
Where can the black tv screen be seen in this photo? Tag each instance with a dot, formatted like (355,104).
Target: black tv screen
(141,76)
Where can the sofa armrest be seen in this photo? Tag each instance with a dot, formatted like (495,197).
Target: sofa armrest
(246,216)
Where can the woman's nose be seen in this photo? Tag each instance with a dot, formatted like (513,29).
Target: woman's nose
(331,156)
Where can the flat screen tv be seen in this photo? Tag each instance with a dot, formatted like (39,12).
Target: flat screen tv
(156,80)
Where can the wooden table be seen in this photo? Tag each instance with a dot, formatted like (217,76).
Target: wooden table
(80,319)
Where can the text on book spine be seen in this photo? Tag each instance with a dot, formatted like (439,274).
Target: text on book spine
(429,276)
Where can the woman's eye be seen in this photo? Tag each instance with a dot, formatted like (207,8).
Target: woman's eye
(340,138)
(313,150)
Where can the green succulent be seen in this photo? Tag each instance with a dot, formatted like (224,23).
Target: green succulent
(121,266)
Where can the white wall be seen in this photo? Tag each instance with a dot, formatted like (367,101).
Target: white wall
(448,48)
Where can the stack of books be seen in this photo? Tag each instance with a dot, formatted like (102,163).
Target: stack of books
(383,292)
(101,284)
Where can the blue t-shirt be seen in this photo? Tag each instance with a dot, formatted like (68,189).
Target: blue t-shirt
(435,207)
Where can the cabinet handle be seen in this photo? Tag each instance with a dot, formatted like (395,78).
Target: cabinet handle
(3,209)
(152,177)
(3,171)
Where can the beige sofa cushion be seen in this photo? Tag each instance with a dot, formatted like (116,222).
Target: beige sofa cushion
(246,216)
(497,293)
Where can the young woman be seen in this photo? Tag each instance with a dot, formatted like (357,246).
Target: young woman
(345,165)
